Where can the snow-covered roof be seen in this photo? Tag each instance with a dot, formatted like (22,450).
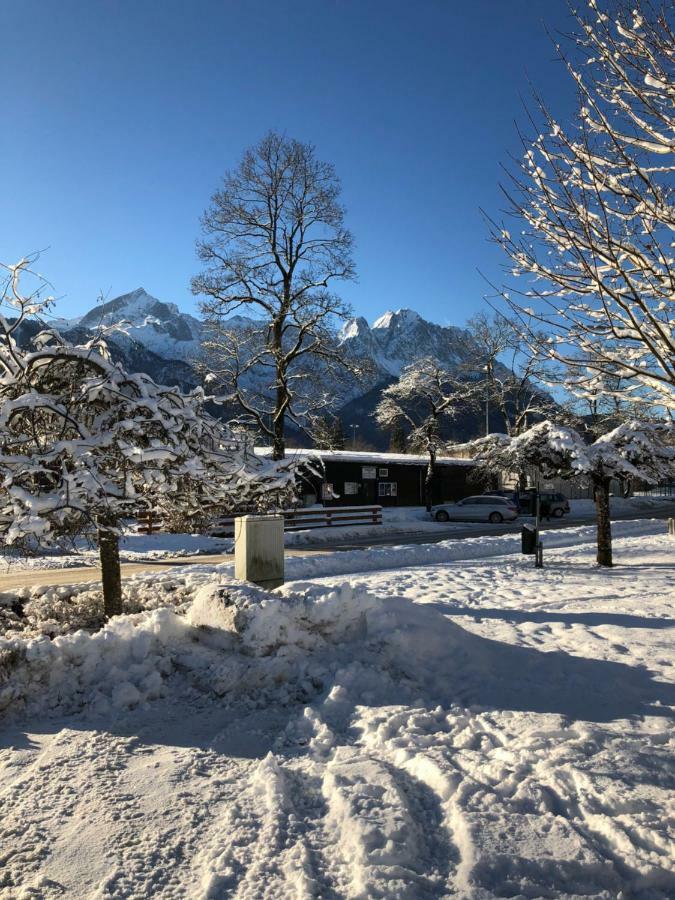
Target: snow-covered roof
(367,457)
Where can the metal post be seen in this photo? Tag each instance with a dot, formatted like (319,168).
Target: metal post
(671,527)
(487,411)
(539,556)
(487,400)
(539,552)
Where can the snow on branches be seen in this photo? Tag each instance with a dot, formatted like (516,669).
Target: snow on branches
(424,395)
(595,211)
(633,450)
(84,444)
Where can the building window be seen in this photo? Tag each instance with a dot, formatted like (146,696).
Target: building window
(384,473)
(387,489)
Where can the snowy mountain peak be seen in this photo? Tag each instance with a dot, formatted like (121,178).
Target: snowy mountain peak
(398,338)
(401,317)
(133,307)
(353,328)
(142,318)
(137,320)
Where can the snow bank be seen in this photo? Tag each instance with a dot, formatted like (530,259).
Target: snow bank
(235,638)
(119,666)
(473,730)
(60,609)
(240,641)
(54,610)
(133,548)
(373,559)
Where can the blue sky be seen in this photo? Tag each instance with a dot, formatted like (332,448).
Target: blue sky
(120,117)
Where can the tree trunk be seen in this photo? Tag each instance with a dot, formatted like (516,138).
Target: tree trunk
(278,442)
(429,482)
(111,576)
(601,494)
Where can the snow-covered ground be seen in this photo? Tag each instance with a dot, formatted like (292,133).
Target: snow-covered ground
(405,520)
(133,548)
(467,727)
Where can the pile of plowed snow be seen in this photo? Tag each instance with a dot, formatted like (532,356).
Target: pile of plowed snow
(235,641)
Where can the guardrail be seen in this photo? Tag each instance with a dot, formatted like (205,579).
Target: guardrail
(149,522)
(660,490)
(313,517)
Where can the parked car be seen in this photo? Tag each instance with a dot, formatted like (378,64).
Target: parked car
(476,509)
(559,505)
(509,493)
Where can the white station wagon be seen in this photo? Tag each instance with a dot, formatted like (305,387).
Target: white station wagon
(476,509)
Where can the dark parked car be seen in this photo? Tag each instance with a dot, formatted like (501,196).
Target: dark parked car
(558,504)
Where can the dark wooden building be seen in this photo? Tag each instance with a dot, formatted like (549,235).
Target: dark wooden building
(354,478)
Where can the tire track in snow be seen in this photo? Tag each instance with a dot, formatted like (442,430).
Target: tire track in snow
(382,823)
(272,842)
(617,828)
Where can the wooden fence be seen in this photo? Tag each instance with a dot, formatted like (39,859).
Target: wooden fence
(294,519)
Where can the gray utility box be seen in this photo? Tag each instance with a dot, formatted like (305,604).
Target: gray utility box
(528,540)
(259,550)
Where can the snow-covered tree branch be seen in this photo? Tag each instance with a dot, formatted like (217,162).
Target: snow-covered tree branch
(424,396)
(511,374)
(633,450)
(594,213)
(84,444)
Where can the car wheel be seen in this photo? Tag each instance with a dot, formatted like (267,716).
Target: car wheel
(558,512)
(495,517)
(442,516)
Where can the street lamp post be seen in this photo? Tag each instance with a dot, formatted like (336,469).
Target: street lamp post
(487,371)
(353,428)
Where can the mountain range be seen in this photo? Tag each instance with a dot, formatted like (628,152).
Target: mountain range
(150,335)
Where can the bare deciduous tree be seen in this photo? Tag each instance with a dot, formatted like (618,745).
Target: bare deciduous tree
(512,375)
(594,210)
(424,396)
(274,243)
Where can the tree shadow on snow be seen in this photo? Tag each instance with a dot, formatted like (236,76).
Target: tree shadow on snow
(170,721)
(457,666)
(621,620)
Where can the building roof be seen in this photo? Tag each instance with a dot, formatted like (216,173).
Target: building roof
(366,457)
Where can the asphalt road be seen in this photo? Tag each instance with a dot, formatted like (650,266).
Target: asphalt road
(39,577)
(79,574)
(459,531)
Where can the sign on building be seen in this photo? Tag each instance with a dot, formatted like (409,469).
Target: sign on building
(368,472)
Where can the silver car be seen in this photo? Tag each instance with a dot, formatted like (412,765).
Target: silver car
(476,509)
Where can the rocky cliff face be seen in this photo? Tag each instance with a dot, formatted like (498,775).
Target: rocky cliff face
(398,338)
(139,320)
(150,335)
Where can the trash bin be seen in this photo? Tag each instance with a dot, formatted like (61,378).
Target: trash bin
(528,540)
